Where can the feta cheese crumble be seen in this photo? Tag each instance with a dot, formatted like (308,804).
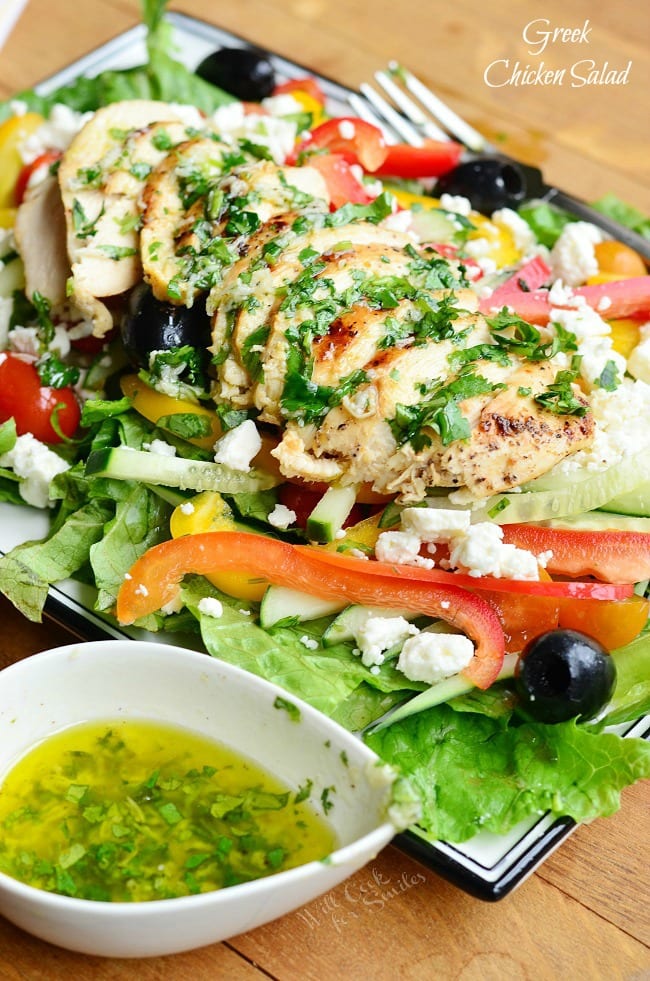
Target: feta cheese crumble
(160,447)
(237,448)
(401,548)
(36,465)
(309,642)
(378,634)
(430,657)
(573,257)
(211,607)
(281,517)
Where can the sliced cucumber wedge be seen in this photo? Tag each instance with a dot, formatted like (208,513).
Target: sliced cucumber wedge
(635,502)
(600,521)
(171,471)
(280,603)
(346,626)
(330,513)
(586,491)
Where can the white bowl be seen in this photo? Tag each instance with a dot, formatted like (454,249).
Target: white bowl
(131,679)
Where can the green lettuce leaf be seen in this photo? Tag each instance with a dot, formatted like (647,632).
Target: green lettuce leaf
(163,77)
(475,773)
(623,213)
(27,572)
(141,520)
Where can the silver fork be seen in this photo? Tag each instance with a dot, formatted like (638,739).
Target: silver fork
(413,113)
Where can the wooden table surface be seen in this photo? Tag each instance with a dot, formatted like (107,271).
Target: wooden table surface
(584,914)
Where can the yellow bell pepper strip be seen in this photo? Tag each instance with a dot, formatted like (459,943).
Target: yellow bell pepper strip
(210,512)
(155,405)
(611,556)
(154,581)
(13,133)
(625,334)
(622,298)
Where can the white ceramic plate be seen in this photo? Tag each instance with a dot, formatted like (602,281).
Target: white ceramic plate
(489,866)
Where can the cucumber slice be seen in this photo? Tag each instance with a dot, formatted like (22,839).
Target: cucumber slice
(443,691)
(635,502)
(346,626)
(434,225)
(588,491)
(330,513)
(153,468)
(601,521)
(280,603)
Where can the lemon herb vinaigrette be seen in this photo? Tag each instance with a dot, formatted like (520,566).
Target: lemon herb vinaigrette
(136,810)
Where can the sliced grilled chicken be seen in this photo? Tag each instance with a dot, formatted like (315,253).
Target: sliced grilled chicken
(101,176)
(197,219)
(247,333)
(41,241)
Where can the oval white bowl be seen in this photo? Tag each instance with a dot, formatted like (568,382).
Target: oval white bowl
(135,679)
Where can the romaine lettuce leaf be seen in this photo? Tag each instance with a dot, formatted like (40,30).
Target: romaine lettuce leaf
(28,570)
(476,773)
(624,214)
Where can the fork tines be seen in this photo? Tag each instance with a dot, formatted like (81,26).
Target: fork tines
(404,119)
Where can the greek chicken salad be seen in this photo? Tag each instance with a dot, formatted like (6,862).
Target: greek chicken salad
(307,399)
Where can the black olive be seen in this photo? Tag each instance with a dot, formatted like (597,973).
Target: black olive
(564,674)
(245,73)
(149,325)
(489,183)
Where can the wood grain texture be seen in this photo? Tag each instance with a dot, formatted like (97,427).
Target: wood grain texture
(583,914)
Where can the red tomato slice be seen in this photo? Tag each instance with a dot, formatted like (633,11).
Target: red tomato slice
(307,84)
(154,578)
(357,141)
(432,159)
(47,158)
(342,186)
(575,590)
(32,405)
(612,556)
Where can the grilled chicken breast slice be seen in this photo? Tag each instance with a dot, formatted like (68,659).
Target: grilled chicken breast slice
(242,325)
(40,232)
(197,220)
(100,177)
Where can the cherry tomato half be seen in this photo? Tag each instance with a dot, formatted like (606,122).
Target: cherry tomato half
(354,139)
(342,186)
(34,406)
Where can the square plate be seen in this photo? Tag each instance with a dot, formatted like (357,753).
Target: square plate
(488,866)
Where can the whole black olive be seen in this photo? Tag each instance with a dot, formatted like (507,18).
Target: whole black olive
(149,325)
(489,183)
(245,73)
(564,674)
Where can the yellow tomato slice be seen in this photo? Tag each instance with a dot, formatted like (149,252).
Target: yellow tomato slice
(13,133)
(210,512)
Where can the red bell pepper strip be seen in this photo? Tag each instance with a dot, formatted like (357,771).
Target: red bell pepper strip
(433,159)
(154,579)
(47,158)
(437,577)
(621,298)
(613,556)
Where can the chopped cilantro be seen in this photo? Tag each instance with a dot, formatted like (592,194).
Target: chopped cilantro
(292,710)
